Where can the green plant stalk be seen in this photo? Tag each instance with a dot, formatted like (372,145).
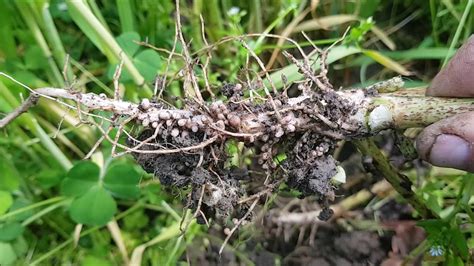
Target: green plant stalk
(19,142)
(57,114)
(257,16)
(44,212)
(125,12)
(198,42)
(92,4)
(104,40)
(84,233)
(399,182)
(52,35)
(455,40)
(43,17)
(278,19)
(167,233)
(7,45)
(31,207)
(213,18)
(49,144)
(28,17)
(53,131)
(434,21)
(32,124)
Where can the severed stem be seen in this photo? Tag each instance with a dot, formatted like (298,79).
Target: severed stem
(375,113)
(27,104)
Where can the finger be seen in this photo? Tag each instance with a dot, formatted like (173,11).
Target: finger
(449,142)
(457,78)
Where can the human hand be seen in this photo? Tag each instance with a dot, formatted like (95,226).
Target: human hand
(450,142)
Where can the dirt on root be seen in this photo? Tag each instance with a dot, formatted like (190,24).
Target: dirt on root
(305,127)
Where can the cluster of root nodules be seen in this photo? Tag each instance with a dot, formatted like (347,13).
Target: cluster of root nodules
(185,148)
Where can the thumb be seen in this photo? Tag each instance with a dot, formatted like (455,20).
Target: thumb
(449,142)
(457,78)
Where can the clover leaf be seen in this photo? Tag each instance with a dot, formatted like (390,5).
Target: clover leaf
(122,181)
(92,202)
(83,176)
(6,201)
(10,231)
(95,207)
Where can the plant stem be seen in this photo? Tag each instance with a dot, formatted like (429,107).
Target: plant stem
(32,206)
(43,212)
(84,233)
(29,121)
(408,109)
(400,182)
(375,113)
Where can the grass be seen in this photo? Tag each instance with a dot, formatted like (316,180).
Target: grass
(43,144)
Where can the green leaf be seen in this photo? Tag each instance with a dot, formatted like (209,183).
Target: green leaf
(9,177)
(433,226)
(148,62)
(128,42)
(357,34)
(368,7)
(50,178)
(124,75)
(453,260)
(387,62)
(433,203)
(7,254)
(459,243)
(136,220)
(20,203)
(122,181)
(291,72)
(80,179)
(95,261)
(6,201)
(20,246)
(325,22)
(10,231)
(96,207)
(34,59)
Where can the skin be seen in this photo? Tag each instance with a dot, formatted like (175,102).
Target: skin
(450,142)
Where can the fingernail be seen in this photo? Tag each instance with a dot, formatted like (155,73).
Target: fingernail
(450,151)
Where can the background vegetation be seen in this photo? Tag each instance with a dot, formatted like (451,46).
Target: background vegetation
(56,208)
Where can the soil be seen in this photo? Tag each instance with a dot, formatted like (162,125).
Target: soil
(336,248)
(330,245)
(306,128)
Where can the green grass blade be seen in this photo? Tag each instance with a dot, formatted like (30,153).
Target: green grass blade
(92,4)
(257,17)
(29,18)
(32,124)
(455,40)
(125,12)
(103,39)
(292,74)
(387,62)
(7,45)
(52,35)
